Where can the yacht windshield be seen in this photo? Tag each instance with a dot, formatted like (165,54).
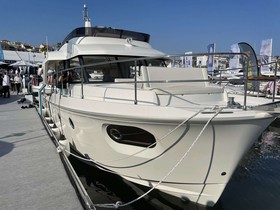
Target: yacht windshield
(107,68)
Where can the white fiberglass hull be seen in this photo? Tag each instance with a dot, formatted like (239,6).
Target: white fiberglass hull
(200,160)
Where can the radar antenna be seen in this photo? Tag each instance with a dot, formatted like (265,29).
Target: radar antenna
(86,18)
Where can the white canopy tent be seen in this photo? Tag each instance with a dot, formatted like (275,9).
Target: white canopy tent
(22,63)
(31,57)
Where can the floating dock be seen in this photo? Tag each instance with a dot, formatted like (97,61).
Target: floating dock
(32,172)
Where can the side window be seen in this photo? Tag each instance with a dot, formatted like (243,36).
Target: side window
(94,75)
(75,70)
(105,72)
(75,75)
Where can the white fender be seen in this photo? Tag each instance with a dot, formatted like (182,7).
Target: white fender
(57,133)
(45,112)
(52,125)
(49,120)
(65,146)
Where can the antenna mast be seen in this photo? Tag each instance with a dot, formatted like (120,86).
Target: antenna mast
(86,18)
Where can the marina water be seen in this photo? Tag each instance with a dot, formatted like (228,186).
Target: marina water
(255,184)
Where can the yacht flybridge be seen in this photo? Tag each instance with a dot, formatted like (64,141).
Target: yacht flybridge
(119,105)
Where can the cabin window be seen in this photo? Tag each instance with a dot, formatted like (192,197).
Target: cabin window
(107,68)
(75,70)
(74,62)
(105,72)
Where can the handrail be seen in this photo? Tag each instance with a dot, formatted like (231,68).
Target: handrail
(274,84)
(40,98)
(246,85)
(244,79)
(135,82)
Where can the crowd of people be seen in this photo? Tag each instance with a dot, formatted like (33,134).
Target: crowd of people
(10,81)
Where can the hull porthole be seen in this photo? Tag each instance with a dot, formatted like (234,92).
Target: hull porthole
(131,136)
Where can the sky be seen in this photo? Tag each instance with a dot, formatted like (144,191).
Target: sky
(175,26)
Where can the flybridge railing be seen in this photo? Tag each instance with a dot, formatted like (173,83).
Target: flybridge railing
(136,61)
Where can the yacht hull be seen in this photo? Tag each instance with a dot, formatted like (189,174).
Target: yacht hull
(190,159)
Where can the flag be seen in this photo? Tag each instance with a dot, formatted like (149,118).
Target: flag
(210,60)
(1,54)
(251,55)
(234,59)
(253,70)
(188,60)
(265,54)
(182,61)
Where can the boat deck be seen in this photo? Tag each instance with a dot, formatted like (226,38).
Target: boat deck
(32,174)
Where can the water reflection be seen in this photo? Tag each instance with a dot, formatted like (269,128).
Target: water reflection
(256,183)
(103,187)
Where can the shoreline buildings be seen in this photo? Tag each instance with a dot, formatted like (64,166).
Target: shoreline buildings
(11,52)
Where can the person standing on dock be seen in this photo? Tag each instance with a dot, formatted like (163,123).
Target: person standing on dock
(6,85)
(1,84)
(18,81)
(63,81)
(50,76)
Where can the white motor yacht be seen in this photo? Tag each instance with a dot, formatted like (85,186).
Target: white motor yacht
(123,110)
